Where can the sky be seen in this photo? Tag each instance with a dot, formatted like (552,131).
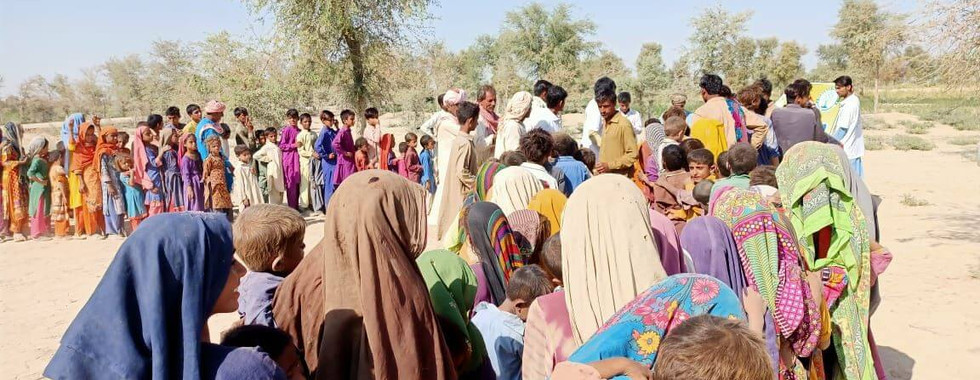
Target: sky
(74,36)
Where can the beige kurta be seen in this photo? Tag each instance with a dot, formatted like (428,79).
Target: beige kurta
(460,179)
(447,128)
(246,185)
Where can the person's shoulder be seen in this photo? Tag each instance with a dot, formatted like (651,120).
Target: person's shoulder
(221,362)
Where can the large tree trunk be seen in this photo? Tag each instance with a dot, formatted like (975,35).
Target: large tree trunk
(356,52)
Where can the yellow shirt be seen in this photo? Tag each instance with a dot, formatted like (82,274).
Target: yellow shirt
(191,127)
(618,149)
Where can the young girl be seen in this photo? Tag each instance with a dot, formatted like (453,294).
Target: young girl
(87,201)
(135,202)
(304,144)
(169,162)
(39,193)
(113,204)
(190,173)
(14,206)
(146,173)
(361,161)
(59,193)
(216,195)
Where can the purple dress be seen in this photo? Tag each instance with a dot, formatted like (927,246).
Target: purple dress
(290,164)
(190,172)
(172,184)
(343,145)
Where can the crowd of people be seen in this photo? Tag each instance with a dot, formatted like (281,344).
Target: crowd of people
(737,240)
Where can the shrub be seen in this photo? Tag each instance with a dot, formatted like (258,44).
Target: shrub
(910,200)
(874,143)
(906,142)
(964,140)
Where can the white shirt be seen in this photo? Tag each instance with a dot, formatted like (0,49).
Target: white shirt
(543,118)
(537,102)
(509,134)
(849,118)
(429,126)
(541,174)
(635,119)
(592,124)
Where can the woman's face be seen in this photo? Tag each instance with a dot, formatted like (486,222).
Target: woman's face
(112,138)
(190,144)
(228,300)
(90,138)
(147,135)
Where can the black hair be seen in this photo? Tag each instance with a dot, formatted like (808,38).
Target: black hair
(326,114)
(711,84)
(513,158)
(701,156)
(537,145)
(541,86)
(239,111)
(192,108)
(402,147)
(241,148)
(439,99)
(843,81)
(527,283)
(674,158)
(305,116)
(371,113)
(292,113)
(466,111)
(154,121)
(587,158)
(173,111)
(624,97)
(766,86)
(724,167)
(360,142)
(271,340)
(556,95)
(792,92)
(691,144)
(606,95)
(484,90)
(345,114)
(726,92)
(742,158)
(551,255)
(603,84)
(122,134)
(763,175)
(565,145)
(426,139)
(410,137)
(271,131)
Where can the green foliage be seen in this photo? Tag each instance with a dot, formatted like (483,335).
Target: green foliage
(916,128)
(906,142)
(874,142)
(964,140)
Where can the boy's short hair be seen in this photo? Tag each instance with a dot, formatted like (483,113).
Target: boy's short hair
(742,158)
(402,147)
(701,156)
(527,283)
(426,139)
(326,114)
(271,131)
(360,142)
(305,116)
(605,95)
(537,145)
(565,145)
(409,137)
(345,114)
(702,191)
(624,97)
(707,347)
(172,111)
(371,113)
(588,158)
(513,158)
(674,158)
(467,111)
(555,96)
(541,86)
(551,256)
(271,340)
(241,149)
(264,232)
(763,175)
(292,113)
(724,167)
(191,108)
(675,111)
(239,111)
(675,125)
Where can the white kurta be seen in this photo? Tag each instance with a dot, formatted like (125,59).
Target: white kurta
(592,124)
(849,120)
(447,128)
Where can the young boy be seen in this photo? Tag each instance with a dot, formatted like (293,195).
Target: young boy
(328,159)
(575,171)
(372,132)
(461,173)
(617,153)
(304,145)
(712,348)
(551,260)
(262,166)
(632,115)
(268,240)
(672,190)
(343,146)
(410,159)
(691,144)
(290,158)
(503,327)
(723,169)
(674,130)
(274,342)
(702,193)
(270,155)
(588,158)
(428,178)
(701,165)
(742,158)
(361,155)
(537,145)
(762,180)
(245,190)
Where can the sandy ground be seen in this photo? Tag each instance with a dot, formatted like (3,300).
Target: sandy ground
(928,325)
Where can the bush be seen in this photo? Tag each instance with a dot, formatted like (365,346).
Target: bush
(918,128)
(906,142)
(964,140)
(911,201)
(962,119)
(874,143)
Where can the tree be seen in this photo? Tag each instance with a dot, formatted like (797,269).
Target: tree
(128,85)
(952,30)
(547,40)
(789,64)
(652,77)
(716,33)
(866,33)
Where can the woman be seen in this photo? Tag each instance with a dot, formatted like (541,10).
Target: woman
(174,272)
(492,242)
(711,247)
(375,230)
(669,243)
(528,226)
(14,192)
(511,127)
(513,189)
(39,204)
(608,258)
(550,203)
(833,233)
(86,199)
(113,201)
(454,238)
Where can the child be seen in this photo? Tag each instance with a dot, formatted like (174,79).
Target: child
(372,133)
(123,142)
(410,158)
(135,203)
(742,158)
(702,193)
(762,180)
(290,158)
(274,342)
(59,193)
(503,327)
(263,178)
(672,190)
(723,170)
(113,204)
(674,131)
(691,144)
(323,184)
(190,173)
(588,158)
(428,178)
(304,145)
(217,198)
(512,158)
(632,115)
(270,155)
(551,260)
(713,348)
(269,242)
(169,162)
(399,163)
(575,171)
(343,146)
(39,196)
(362,154)
(701,165)
(145,171)
(245,188)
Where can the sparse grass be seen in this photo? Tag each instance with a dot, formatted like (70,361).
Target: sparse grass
(964,140)
(961,119)
(875,124)
(906,142)
(916,127)
(874,142)
(910,200)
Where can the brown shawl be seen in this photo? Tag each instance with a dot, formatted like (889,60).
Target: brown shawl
(376,320)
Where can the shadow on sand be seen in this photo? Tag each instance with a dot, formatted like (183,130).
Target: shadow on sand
(897,364)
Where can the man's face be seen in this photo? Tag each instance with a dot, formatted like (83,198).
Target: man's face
(607,108)
(624,107)
(216,117)
(242,118)
(490,102)
(844,91)
(698,171)
(704,95)
(173,119)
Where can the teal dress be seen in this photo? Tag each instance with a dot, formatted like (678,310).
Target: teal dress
(135,204)
(38,191)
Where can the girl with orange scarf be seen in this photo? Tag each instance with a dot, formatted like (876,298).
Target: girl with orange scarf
(14,199)
(113,205)
(86,199)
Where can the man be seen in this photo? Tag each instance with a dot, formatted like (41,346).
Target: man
(849,131)
(194,111)
(461,168)
(486,128)
(446,129)
(547,119)
(715,107)
(244,132)
(680,101)
(592,127)
(795,123)
(429,126)
(173,118)
(632,115)
(767,105)
(618,152)
(540,94)
(208,126)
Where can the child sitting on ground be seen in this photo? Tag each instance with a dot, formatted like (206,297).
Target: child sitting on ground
(361,155)
(271,157)
(272,341)
(701,165)
(672,190)
(245,190)
(217,198)
(269,242)
(503,327)
(742,158)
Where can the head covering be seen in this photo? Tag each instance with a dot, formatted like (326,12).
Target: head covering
(452,288)
(859,190)
(145,318)
(550,203)
(214,106)
(527,230)
(34,147)
(454,96)
(12,135)
(484,179)
(608,252)
(378,319)
(166,134)
(455,237)
(103,147)
(635,331)
(711,246)
(518,105)
(492,239)
(141,160)
(668,243)
(513,189)
(678,99)
(184,138)
(70,133)
(385,144)
(82,155)
(655,136)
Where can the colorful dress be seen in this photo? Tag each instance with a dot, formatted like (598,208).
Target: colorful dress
(173,185)
(135,203)
(14,204)
(113,207)
(39,196)
(290,164)
(154,201)
(190,173)
(343,146)
(59,200)
(305,139)
(428,178)
(216,197)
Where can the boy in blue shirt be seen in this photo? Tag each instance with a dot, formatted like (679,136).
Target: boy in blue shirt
(575,171)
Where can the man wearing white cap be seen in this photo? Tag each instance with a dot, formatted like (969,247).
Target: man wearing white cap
(446,130)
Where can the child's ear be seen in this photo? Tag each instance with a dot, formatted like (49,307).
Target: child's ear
(556,282)
(278,263)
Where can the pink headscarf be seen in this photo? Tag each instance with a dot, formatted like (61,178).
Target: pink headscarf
(141,160)
(214,106)
(454,96)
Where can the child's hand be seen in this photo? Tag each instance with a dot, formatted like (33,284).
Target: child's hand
(755,308)
(316,155)
(113,192)
(190,195)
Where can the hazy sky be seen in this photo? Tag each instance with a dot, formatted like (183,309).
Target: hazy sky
(49,37)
